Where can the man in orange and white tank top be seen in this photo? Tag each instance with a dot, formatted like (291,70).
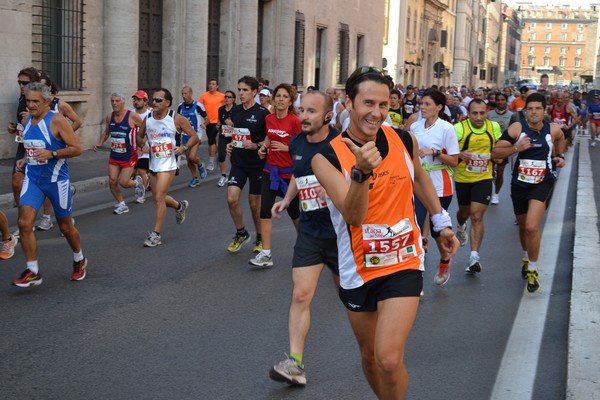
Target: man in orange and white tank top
(371,174)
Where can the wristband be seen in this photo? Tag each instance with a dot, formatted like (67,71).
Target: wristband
(185,148)
(441,221)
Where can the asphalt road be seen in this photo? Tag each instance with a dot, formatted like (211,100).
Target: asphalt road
(187,320)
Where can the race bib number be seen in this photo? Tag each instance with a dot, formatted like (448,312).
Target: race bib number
(384,245)
(227,130)
(239,136)
(118,145)
(596,115)
(479,163)
(531,171)
(30,147)
(162,150)
(307,193)
(19,133)
(409,108)
(560,121)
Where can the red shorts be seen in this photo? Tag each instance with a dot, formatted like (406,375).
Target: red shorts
(595,121)
(124,164)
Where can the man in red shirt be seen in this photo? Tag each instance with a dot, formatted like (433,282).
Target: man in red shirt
(212,100)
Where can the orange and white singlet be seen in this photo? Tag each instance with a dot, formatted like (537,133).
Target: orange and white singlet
(389,239)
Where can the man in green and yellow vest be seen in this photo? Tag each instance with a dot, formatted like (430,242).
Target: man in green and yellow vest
(477,136)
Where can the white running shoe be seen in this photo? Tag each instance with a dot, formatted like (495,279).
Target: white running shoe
(462,234)
(153,240)
(222,181)
(262,260)
(45,223)
(140,189)
(495,200)
(210,166)
(121,209)
(140,200)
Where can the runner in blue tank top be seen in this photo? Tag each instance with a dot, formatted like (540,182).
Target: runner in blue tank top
(538,145)
(195,113)
(49,140)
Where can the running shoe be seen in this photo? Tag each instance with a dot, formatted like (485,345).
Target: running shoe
(79,270)
(257,246)
(495,199)
(140,189)
(121,209)
(288,371)
(238,241)
(73,190)
(195,182)
(140,200)
(262,260)
(153,240)
(474,266)
(45,223)
(524,268)
(6,251)
(210,166)
(180,214)
(222,181)
(533,284)
(593,144)
(27,279)
(443,274)
(462,234)
(202,171)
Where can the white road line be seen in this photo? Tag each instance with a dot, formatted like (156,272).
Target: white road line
(517,371)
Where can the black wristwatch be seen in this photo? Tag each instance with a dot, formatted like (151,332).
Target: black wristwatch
(359,176)
(54,154)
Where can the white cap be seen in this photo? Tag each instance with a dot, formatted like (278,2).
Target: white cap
(265,92)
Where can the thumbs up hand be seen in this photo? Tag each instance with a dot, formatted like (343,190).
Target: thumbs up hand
(367,157)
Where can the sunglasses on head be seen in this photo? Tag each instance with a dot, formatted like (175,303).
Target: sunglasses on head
(367,70)
(24,83)
(157,100)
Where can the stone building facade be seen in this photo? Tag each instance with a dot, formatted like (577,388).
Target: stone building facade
(92,49)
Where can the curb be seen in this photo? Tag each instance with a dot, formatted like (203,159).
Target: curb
(583,381)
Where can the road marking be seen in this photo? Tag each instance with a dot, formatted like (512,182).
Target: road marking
(516,376)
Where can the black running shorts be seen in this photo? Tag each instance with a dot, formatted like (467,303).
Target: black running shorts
(476,192)
(309,251)
(521,196)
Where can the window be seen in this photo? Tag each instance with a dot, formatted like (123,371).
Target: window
(564,26)
(579,36)
(578,51)
(386,25)
(530,60)
(360,50)
(533,25)
(415,26)
(549,25)
(532,36)
(563,36)
(580,26)
(342,54)
(531,49)
(408,24)
(444,39)
(563,50)
(299,31)
(58,41)
(548,36)
(546,61)
(561,61)
(547,50)
(577,62)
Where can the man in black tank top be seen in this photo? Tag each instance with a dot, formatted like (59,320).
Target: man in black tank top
(533,140)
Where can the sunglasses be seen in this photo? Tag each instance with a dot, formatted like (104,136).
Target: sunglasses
(157,100)
(367,70)
(229,97)
(24,83)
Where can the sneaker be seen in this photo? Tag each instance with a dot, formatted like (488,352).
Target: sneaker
(443,274)
(153,240)
(79,270)
(524,268)
(533,284)
(474,266)
(202,171)
(210,166)
(462,235)
(140,189)
(27,279)
(6,251)
(195,182)
(45,223)
(288,371)
(140,200)
(593,144)
(180,214)
(257,246)
(495,200)
(17,233)
(238,241)
(121,209)
(222,181)
(73,190)
(262,260)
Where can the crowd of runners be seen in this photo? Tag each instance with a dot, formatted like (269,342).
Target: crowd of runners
(365,179)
